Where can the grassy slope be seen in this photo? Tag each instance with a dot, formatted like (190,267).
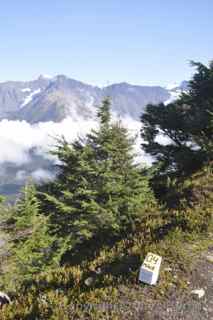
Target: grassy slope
(109,274)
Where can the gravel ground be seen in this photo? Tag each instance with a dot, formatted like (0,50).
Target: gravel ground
(179,305)
(185,306)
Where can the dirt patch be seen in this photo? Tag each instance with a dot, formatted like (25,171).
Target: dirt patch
(178,304)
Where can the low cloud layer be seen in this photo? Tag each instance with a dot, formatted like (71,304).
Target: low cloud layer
(18,137)
(42,175)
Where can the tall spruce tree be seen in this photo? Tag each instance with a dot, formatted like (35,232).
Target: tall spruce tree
(31,247)
(99,189)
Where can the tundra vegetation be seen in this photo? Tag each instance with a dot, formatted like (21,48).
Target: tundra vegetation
(80,239)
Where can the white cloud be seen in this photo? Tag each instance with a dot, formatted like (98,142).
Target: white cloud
(18,137)
(174,95)
(21,175)
(41,174)
(134,127)
(12,152)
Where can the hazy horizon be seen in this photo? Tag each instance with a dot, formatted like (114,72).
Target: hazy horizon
(108,83)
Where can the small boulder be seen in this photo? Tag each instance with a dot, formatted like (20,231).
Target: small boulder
(209,258)
(198,293)
(98,271)
(168,269)
(4,299)
(89,281)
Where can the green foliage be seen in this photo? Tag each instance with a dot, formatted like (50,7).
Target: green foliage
(195,203)
(62,293)
(187,123)
(2,199)
(104,113)
(99,190)
(31,248)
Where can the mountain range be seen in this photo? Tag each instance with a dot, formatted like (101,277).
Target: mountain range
(46,104)
(54,99)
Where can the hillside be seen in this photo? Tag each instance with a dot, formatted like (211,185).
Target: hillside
(72,246)
(101,282)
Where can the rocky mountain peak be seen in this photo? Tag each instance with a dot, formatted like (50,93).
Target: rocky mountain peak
(55,98)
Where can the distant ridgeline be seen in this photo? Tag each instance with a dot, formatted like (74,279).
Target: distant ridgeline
(47,99)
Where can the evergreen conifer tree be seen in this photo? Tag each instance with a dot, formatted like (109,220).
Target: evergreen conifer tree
(187,125)
(99,189)
(31,247)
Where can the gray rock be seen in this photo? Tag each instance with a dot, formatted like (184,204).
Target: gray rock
(89,281)
(168,269)
(198,293)
(209,258)
(4,299)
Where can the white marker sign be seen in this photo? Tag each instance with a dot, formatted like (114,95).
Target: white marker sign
(150,268)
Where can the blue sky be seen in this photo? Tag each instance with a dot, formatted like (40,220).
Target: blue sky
(100,42)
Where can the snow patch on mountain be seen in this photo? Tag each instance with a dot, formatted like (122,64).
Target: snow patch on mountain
(26,90)
(46,76)
(29,98)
